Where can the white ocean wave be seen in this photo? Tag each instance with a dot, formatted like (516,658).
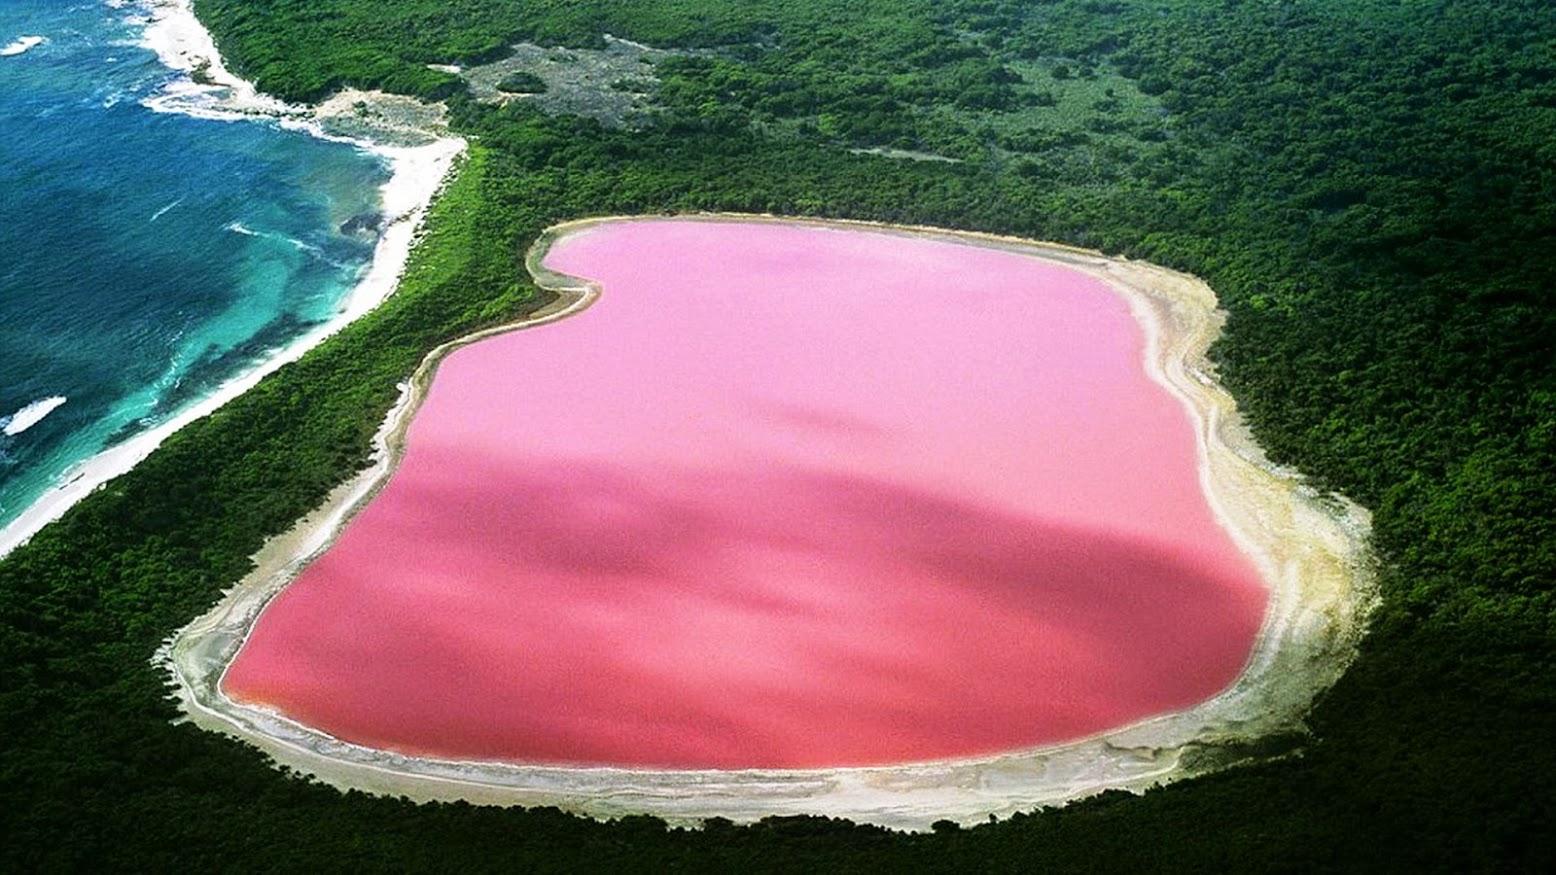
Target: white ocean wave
(305,246)
(237,227)
(22,44)
(30,415)
(162,212)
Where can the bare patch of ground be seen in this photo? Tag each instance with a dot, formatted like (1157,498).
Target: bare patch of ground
(390,119)
(906,155)
(612,85)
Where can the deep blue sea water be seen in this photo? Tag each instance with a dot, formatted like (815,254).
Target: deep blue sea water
(145,257)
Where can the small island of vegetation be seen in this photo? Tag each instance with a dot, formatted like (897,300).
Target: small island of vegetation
(522,82)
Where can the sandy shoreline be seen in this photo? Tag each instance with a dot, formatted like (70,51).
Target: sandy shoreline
(416,174)
(182,43)
(1311,552)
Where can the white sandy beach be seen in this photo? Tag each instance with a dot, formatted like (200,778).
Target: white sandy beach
(1310,550)
(416,175)
(182,43)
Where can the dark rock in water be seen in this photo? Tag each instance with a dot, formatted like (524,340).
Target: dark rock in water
(363,224)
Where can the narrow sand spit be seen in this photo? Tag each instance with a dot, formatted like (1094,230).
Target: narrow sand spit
(1310,549)
(417,170)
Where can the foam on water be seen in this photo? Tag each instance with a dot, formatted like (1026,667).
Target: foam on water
(30,415)
(164,210)
(21,45)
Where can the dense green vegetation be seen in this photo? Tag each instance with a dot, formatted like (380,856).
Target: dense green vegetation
(522,82)
(1368,184)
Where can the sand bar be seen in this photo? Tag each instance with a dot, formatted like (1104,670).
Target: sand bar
(1310,550)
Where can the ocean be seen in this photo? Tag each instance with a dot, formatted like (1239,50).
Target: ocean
(149,252)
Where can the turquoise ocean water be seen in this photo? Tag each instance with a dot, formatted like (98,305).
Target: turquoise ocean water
(145,256)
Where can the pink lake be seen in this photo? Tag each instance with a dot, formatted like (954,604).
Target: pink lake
(785,497)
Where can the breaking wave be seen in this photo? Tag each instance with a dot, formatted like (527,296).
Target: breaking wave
(30,415)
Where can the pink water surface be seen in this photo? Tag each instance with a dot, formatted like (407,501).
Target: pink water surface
(782,497)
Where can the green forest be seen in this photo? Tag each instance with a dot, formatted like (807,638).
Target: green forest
(1368,185)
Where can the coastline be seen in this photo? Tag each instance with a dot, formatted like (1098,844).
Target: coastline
(1319,583)
(182,43)
(416,175)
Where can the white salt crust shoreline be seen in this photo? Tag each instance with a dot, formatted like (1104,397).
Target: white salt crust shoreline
(416,175)
(1310,550)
